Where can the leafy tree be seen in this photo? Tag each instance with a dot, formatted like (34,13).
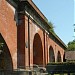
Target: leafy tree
(52,27)
(71,46)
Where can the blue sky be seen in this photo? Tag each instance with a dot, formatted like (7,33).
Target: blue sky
(61,14)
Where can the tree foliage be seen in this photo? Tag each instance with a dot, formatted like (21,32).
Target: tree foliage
(52,27)
(71,46)
(1,45)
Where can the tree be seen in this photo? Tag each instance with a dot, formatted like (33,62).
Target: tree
(52,27)
(71,46)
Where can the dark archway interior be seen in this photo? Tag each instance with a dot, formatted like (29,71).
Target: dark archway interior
(59,57)
(5,57)
(37,50)
(51,55)
(64,59)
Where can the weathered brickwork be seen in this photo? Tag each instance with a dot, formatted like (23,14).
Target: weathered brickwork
(28,43)
(8,29)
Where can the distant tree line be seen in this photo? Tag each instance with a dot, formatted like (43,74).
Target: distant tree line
(71,46)
(52,27)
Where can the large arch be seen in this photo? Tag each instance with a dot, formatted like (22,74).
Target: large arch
(58,57)
(51,54)
(5,56)
(64,59)
(37,50)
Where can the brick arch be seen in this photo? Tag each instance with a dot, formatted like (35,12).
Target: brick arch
(9,34)
(64,60)
(8,30)
(37,50)
(6,62)
(58,56)
(51,54)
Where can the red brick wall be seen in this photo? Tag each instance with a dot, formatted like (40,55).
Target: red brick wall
(8,29)
(21,43)
(17,37)
(46,43)
(56,48)
(34,29)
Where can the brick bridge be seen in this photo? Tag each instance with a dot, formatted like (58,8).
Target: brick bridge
(26,35)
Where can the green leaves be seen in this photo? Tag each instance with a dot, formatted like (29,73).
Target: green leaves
(52,27)
(71,46)
(1,45)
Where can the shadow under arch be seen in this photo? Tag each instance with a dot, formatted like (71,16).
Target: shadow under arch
(51,54)
(37,50)
(58,57)
(5,56)
(64,59)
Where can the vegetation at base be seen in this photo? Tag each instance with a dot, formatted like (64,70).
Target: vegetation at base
(1,45)
(60,67)
(71,46)
(60,63)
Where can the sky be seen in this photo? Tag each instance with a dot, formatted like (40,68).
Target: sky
(61,14)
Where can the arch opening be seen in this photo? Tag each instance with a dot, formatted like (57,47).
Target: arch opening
(37,50)
(5,56)
(51,55)
(59,57)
